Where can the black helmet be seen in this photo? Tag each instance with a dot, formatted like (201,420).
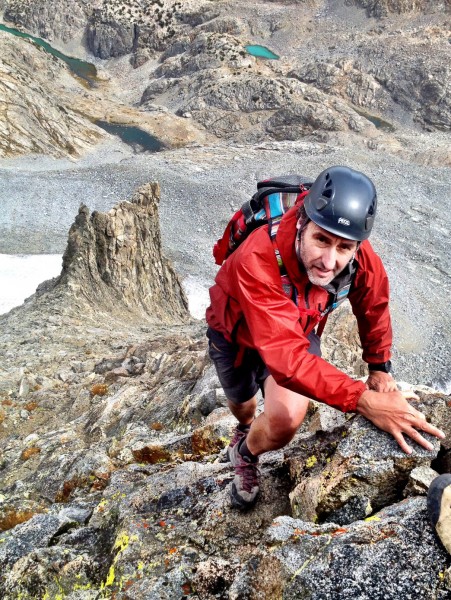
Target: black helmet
(343,201)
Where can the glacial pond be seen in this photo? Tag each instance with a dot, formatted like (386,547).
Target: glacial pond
(376,121)
(261,52)
(133,136)
(86,71)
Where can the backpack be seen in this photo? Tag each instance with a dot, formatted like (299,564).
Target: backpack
(270,202)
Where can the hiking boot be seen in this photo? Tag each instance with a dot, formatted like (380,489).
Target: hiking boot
(238,436)
(245,486)
(439,508)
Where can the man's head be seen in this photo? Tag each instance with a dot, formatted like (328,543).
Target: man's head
(338,213)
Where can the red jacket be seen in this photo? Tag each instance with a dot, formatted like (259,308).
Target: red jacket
(248,303)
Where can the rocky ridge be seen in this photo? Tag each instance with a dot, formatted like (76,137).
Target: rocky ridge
(344,76)
(112,469)
(382,8)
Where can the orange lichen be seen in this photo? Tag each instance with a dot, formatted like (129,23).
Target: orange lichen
(157,426)
(30,406)
(99,389)
(100,481)
(128,584)
(69,486)
(12,517)
(339,531)
(186,588)
(152,455)
(299,532)
(29,452)
(204,441)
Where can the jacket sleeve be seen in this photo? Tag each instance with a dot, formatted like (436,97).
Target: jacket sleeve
(272,320)
(369,299)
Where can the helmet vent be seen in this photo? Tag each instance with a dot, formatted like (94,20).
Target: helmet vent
(328,188)
(369,223)
(321,203)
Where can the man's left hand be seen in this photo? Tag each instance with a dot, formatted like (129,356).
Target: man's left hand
(381,382)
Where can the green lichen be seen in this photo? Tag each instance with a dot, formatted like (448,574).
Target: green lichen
(311,462)
(101,505)
(309,560)
(121,544)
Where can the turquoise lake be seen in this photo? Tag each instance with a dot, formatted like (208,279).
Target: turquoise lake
(80,68)
(261,52)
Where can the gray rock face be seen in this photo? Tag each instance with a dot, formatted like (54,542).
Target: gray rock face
(142,29)
(343,79)
(34,117)
(382,8)
(371,69)
(344,563)
(257,106)
(110,39)
(38,532)
(366,472)
(114,261)
(49,19)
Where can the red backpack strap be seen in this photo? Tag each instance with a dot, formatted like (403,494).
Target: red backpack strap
(230,238)
(221,248)
(322,324)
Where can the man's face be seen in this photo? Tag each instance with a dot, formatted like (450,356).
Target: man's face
(324,254)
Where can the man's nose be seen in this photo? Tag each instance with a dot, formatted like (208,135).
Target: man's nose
(329,257)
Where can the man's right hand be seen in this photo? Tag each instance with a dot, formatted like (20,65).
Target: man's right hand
(391,412)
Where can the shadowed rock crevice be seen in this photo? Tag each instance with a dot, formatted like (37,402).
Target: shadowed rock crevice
(113,262)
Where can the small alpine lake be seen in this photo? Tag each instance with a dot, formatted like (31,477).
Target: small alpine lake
(261,52)
(139,139)
(376,121)
(82,69)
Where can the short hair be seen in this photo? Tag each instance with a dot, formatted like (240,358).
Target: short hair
(303,217)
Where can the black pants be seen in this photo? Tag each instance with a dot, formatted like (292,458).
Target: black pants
(241,383)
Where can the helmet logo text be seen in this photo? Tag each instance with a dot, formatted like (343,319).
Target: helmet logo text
(343,221)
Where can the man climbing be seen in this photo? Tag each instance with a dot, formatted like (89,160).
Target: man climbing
(264,325)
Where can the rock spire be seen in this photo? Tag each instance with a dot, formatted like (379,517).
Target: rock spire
(114,261)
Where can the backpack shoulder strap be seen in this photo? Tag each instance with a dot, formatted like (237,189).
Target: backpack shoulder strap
(287,286)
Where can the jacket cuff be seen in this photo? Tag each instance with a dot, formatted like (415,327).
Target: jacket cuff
(350,404)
